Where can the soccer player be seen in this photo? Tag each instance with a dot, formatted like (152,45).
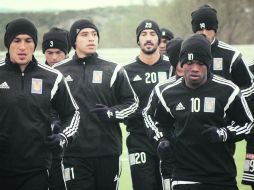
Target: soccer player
(105,97)
(167,160)
(199,107)
(28,91)
(148,69)
(56,46)
(166,36)
(226,60)
(173,51)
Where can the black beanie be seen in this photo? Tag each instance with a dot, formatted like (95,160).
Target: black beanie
(148,24)
(56,38)
(79,25)
(204,18)
(19,26)
(196,47)
(166,34)
(173,50)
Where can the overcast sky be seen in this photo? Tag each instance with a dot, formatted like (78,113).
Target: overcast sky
(35,5)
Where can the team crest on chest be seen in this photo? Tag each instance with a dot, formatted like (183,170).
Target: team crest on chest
(217,64)
(209,105)
(36,87)
(97,77)
(162,76)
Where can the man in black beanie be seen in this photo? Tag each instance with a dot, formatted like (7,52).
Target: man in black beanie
(166,36)
(166,159)
(204,18)
(78,26)
(19,26)
(105,97)
(227,61)
(148,69)
(146,25)
(194,108)
(28,91)
(56,45)
(173,51)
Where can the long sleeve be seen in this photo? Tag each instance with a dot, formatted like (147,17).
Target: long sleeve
(240,72)
(242,77)
(66,107)
(239,112)
(157,117)
(125,95)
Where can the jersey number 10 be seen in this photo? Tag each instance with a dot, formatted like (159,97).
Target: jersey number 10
(195,104)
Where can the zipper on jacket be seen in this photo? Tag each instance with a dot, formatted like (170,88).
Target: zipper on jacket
(22,81)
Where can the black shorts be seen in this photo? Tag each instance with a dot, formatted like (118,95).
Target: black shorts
(33,180)
(144,166)
(56,180)
(100,173)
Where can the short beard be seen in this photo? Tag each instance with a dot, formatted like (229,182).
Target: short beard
(149,52)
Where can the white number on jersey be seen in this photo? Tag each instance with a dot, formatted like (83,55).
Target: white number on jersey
(151,77)
(195,104)
(140,157)
(251,165)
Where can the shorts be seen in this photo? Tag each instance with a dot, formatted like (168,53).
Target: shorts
(98,173)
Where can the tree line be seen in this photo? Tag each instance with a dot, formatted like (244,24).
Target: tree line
(117,25)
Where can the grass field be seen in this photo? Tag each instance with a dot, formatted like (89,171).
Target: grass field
(125,179)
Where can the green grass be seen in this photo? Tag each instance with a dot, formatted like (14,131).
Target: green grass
(239,160)
(125,179)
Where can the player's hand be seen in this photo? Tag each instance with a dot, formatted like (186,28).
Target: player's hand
(55,142)
(163,149)
(56,127)
(104,113)
(167,158)
(214,134)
